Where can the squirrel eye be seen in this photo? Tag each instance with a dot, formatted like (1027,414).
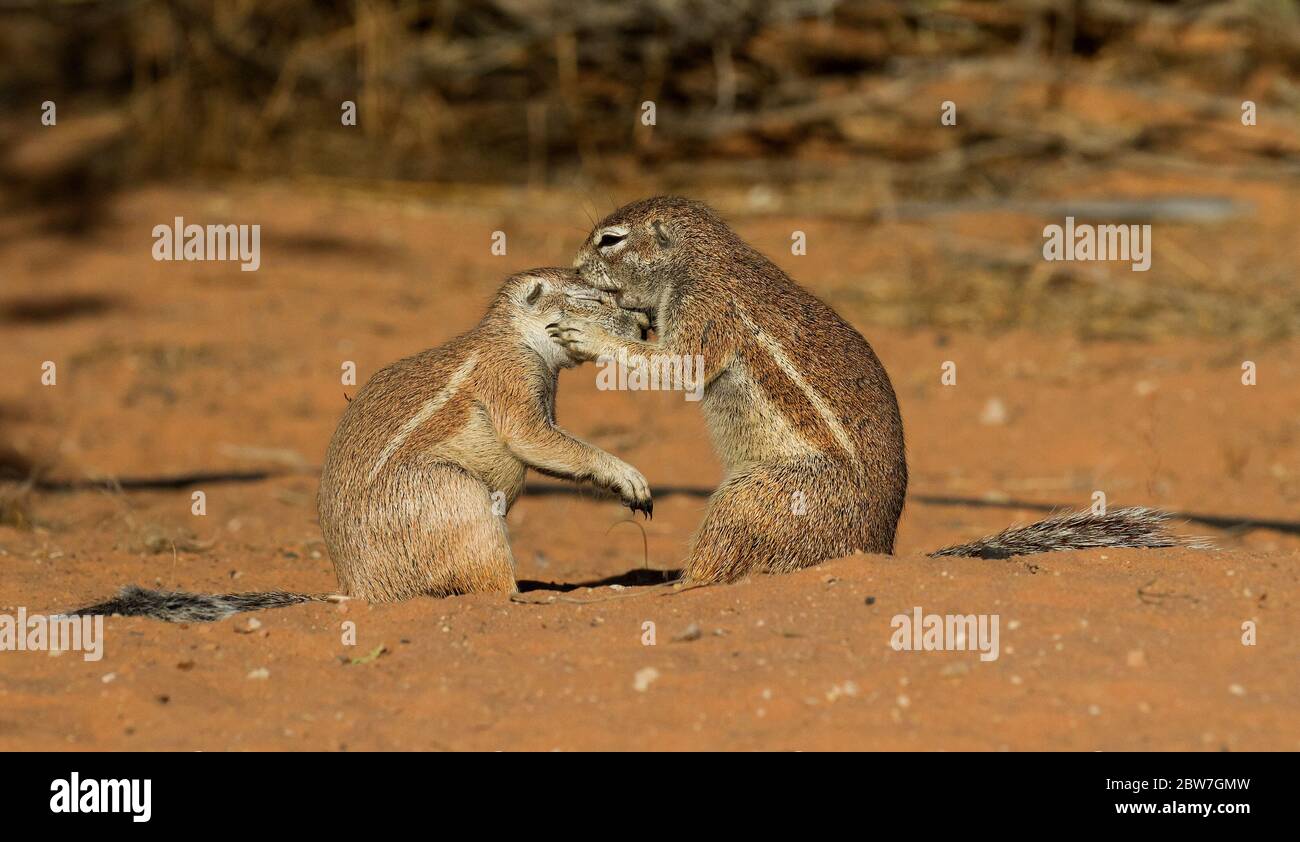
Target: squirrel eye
(608,239)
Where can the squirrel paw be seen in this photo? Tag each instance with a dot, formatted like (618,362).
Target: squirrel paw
(634,491)
(581,340)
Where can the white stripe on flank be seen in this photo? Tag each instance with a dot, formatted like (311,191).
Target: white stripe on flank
(814,397)
(427,411)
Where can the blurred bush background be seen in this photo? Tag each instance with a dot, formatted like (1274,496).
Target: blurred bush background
(1126,111)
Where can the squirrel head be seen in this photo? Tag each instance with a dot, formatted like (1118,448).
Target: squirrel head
(538,298)
(642,249)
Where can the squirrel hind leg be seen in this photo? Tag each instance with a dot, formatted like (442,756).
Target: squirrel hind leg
(776,519)
(484,563)
(729,542)
(472,542)
(444,539)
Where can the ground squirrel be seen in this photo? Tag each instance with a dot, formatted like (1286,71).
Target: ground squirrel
(433,441)
(801,411)
(433,450)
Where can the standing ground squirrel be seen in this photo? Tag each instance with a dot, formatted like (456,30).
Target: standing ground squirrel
(433,450)
(801,411)
(429,445)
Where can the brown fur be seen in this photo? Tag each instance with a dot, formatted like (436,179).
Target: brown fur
(406,492)
(796,401)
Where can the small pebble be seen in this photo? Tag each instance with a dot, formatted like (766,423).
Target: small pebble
(994,413)
(848,688)
(644,678)
(692,632)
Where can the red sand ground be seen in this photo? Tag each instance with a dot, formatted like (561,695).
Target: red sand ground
(200,367)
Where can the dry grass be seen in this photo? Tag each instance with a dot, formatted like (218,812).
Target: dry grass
(796,106)
(16,505)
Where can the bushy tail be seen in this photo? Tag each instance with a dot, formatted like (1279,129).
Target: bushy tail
(181,607)
(1134,526)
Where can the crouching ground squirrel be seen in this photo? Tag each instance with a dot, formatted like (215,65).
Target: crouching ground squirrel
(433,450)
(800,410)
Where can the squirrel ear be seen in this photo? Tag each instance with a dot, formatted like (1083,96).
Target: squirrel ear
(661,234)
(534,294)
